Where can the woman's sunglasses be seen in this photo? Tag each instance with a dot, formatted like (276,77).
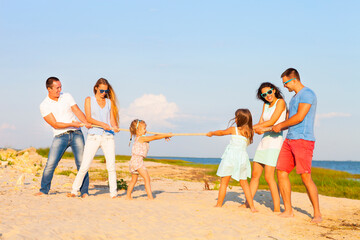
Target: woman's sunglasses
(103,91)
(266,93)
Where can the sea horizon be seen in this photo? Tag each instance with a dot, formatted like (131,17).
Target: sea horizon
(178,158)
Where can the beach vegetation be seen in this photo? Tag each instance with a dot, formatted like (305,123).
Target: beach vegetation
(44,152)
(98,174)
(65,172)
(121,184)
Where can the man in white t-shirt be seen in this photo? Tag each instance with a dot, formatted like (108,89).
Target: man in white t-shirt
(60,111)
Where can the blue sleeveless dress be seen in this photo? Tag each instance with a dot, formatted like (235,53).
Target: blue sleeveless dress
(235,160)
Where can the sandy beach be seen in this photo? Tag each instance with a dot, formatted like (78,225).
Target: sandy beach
(181,209)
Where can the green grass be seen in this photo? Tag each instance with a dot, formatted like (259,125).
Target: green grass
(45,153)
(102,174)
(66,172)
(329,182)
(118,158)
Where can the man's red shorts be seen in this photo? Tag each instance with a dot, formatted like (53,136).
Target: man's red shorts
(296,152)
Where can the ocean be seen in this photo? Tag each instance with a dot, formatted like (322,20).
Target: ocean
(347,166)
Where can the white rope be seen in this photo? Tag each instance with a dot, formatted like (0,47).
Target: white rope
(174,134)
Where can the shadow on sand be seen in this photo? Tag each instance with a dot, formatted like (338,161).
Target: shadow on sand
(104,189)
(263,198)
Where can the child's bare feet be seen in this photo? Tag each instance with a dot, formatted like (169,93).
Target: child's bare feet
(114,197)
(128,198)
(286,214)
(254,210)
(217,205)
(70,195)
(317,219)
(85,195)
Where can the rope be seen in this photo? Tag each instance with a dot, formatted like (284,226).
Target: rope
(175,134)
(267,129)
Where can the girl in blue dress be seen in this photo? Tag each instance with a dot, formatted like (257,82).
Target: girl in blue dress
(235,160)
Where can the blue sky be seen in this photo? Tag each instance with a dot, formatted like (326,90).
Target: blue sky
(182,66)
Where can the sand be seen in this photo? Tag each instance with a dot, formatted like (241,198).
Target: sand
(181,210)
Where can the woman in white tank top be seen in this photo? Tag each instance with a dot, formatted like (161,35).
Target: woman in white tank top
(274,111)
(100,110)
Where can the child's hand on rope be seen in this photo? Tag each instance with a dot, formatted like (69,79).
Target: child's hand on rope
(169,136)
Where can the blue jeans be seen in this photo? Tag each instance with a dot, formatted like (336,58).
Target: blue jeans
(61,142)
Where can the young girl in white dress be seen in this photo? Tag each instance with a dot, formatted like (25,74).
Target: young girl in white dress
(235,160)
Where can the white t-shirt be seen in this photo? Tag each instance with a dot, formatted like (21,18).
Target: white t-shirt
(61,110)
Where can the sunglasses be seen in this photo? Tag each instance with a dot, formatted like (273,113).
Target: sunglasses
(103,91)
(266,93)
(288,81)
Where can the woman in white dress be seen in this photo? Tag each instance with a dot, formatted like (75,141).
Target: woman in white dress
(274,111)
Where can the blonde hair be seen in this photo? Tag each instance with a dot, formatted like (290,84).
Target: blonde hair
(110,95)
(134,126)
(243,120)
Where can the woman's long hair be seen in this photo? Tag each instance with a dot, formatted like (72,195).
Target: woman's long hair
(243,120)
(278,93)
(110,95)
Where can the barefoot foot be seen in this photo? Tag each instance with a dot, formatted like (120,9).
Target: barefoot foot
(85,195)
(286,214)
(70,195)
(316,219)
(39,194)
(254,210)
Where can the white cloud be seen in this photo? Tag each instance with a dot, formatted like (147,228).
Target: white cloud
(154,109)
(330,115)
(5,126)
